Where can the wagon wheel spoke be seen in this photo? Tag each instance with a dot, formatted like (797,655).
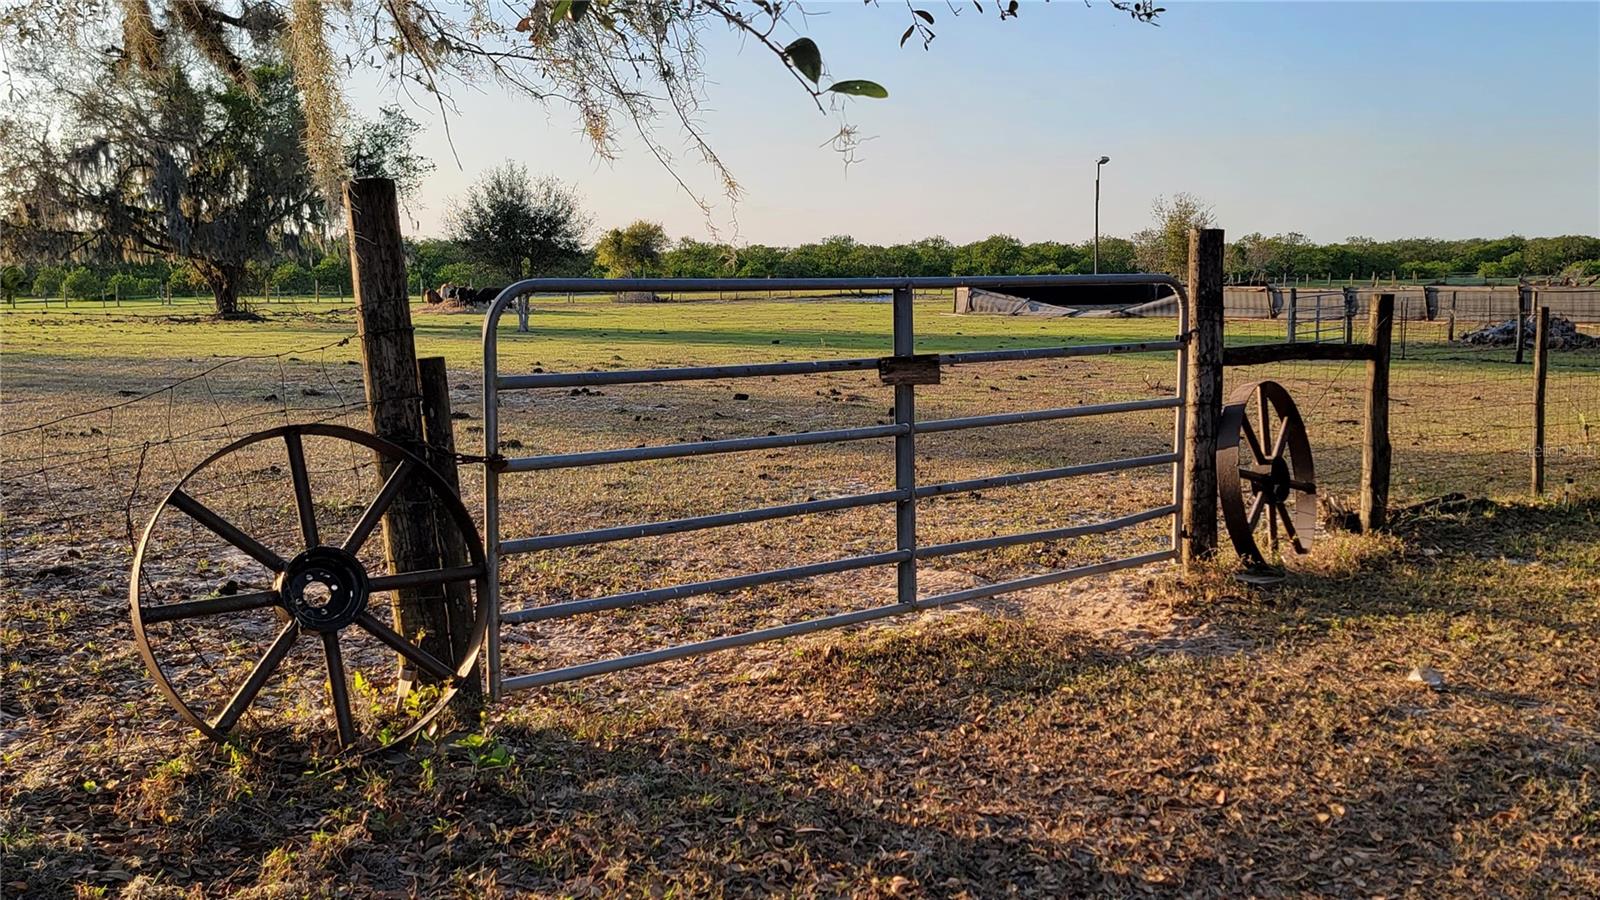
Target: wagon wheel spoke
(1255,510)
(1272,527)
(1250,438)
(424,578)
(1304,487)
(1264,413)
(1283,441)
(1254,477)
(380,504)
(302,489)
(1288,527)
(246,694)
(429,663)
(226,530)
(338,688)
(210,606)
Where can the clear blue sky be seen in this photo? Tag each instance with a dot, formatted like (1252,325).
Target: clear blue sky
(1332,119)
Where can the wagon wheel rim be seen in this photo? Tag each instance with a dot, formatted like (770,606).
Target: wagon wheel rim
(1265,471)
(333,565)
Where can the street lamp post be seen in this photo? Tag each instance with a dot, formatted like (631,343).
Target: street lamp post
(1097,164)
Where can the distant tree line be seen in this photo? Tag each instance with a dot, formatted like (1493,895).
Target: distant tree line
(511,225)
(643,250)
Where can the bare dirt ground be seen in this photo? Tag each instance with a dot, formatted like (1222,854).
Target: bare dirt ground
(1132,734)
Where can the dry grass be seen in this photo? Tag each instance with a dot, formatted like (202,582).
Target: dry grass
(1125,735)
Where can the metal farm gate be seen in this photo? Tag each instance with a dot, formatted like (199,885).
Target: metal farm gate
(902,369)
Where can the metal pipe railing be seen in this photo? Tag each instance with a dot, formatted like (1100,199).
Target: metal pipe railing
(714,586)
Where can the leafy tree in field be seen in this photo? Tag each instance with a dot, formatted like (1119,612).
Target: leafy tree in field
(382,148)
(81,284)
(430,255)
(332,272)
(508,217)
(632,251)
(12,280)
(289,276)
(758,261)
(1547,256)
(468,274)
(122,284)
(696,259)
(184,279)
(1509,266)
(47,282)
(167,166)
(999,254)
(1116,255)
(1164,247)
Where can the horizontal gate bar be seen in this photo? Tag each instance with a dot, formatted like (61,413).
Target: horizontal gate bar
(1045,415)
(699,448)
(715,586)
(1022,584)
(1016,478)
(984,356)
(690,373)
(1050,534)
(699,648)
(804,367)
(881,283)
(695,523)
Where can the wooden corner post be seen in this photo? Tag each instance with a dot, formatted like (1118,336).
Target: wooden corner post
(1541,368)
(1376,454)
(1204,402)
(394,404)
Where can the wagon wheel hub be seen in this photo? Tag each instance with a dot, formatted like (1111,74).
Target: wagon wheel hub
(324,588)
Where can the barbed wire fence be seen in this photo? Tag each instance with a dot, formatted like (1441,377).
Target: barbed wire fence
(86,469)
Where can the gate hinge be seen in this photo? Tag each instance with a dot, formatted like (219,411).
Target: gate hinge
(495,461)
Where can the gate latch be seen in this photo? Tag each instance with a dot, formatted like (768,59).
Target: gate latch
(917,369)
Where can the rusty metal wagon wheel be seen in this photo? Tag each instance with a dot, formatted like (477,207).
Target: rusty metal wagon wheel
(319,589)
(1265,471)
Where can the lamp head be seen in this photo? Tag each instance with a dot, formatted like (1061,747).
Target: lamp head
(1103,160)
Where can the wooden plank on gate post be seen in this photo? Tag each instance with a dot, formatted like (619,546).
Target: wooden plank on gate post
(1204,403)
(1376,453)
(393,393)
(1541,365)
(438,434)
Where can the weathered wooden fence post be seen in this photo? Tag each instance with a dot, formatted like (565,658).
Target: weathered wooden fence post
(1351,302)
(394,399)
(1541,366)
(1204,404)
(1294,315)
(1376,453)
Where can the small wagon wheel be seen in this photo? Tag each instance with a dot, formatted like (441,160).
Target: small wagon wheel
(320,590)
(1264,467)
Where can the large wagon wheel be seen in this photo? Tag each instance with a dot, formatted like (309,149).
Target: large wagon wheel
(322,591)
(1264,471)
